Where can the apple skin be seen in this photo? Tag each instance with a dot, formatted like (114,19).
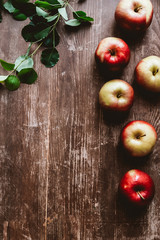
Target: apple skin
(113,53)
(138,138)
(134,15)
(137,187)
(148,73)
(116,95)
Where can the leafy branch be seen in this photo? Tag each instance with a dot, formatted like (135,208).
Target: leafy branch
(44,16)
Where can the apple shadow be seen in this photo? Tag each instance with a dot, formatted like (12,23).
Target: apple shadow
(151,97)
(131,37)
(132,212)
(113,117)
(105,73)
(124,158)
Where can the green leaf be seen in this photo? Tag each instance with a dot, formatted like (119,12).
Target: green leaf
(41,12)
(63,13)
(23,62)
(47,5)
(19,2)
(7,66)
(73,22)
(29,9)
(12,83)
(49,42)
(9,7)
(51,18)
(50,57)
(35,33)
(61,2)
(28,33)
(35,19)
(28,75)
(58,3)
(82,16)
(3,78)
(18,15)
(41,31)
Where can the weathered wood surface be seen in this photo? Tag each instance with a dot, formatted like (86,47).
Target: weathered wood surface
(60,159)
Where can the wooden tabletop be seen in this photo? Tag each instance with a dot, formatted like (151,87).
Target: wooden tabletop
(60,157)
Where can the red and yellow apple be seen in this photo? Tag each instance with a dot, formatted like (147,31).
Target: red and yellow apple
(137,187)
(116,95)
(113,53)
(134,15)
(138,138)
(148,73)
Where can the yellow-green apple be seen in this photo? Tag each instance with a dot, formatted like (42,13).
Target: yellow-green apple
(148,73)
(138,138)
(134,15)
(116,95)
(137,187)
(113,53)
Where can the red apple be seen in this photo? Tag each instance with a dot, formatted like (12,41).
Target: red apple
(137,187)
(148,73)
(134,15)
(113,53)
(138,138)
(116,95)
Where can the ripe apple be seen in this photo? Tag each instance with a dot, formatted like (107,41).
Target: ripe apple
(137,187)
(116,95)
(113,53)
(134,15)
(148,73)
(138,138)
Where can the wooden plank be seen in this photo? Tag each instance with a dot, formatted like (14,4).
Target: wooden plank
(60,158)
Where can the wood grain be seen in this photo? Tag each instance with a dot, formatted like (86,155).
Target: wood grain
(60,157)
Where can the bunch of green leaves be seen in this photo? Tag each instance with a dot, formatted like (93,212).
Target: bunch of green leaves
(44,16)
(21,71)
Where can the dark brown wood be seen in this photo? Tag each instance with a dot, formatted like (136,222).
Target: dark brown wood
(60,157)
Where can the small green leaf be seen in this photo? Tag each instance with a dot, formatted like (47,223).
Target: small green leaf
(82,16)
(61,2)
(27,75)
(50,57)
(23,62)
(41,31)
(63,13)
(49,42)
(46,5)
(7,66)
(57,3)
(3,78)
(41,12)
(73,22)
(51,18)
(12,83)
(9,7)
(18,15)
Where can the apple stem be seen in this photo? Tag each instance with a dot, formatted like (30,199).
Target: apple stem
(112,52)
(138,137)
(137,9)
(143,135)
(155,72)
(141,195)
